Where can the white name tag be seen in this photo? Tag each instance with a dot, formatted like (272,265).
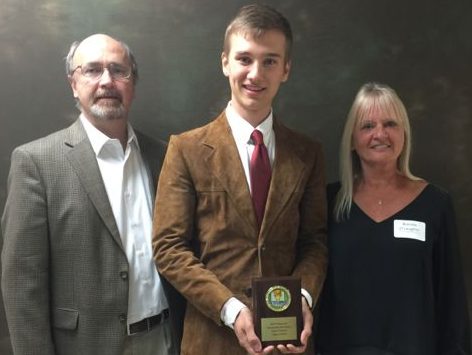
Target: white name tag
(409,229)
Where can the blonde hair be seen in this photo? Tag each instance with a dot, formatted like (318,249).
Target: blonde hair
(371,96)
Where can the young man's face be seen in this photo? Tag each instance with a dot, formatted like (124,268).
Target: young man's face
(255,69)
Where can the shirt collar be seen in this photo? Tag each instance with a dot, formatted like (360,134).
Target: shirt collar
(242,129)
(98,139)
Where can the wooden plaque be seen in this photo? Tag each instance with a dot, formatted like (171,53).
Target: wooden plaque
(277,310)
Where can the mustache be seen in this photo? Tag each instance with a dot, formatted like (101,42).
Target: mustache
(108,94)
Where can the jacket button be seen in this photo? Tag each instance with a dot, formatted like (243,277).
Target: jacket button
(263,247)
(122,318)
(124,275)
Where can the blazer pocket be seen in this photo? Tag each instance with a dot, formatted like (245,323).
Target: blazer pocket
(65,318)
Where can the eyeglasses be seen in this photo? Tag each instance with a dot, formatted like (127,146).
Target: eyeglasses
(94,71)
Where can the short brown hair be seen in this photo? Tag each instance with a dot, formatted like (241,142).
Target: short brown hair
(257,19)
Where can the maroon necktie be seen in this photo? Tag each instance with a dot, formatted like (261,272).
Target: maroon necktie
(260,175)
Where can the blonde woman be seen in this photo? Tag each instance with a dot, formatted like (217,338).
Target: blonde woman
(394,282)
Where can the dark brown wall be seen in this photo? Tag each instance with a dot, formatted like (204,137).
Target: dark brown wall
(422,48)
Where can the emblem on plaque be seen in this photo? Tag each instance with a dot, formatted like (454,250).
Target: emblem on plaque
(278,298)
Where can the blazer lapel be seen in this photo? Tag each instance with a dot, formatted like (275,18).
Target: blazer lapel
(152,161)
(83,160)
(288,168)
(224,162)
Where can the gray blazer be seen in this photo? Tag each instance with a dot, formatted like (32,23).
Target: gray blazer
(64,270)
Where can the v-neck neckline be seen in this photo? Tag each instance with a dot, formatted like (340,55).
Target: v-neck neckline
(396,212)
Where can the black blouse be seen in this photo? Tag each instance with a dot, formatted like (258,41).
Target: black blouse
(396,286)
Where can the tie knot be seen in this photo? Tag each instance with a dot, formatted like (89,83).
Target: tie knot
(257,137)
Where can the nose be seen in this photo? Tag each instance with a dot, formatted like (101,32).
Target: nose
(380,132)
(106,77)
(255,71)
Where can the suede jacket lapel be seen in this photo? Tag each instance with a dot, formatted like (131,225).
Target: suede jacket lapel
(287,170)
(224,162)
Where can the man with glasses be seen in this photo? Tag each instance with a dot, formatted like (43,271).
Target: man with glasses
(78,275)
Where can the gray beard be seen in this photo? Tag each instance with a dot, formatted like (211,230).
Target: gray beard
(108,112)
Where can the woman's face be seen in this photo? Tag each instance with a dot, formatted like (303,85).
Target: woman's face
(378,138)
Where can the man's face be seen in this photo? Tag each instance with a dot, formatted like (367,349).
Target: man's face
(255,68)
(106,97)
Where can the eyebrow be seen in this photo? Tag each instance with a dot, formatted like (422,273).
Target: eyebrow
(266,55)
(382,121)
(99,62)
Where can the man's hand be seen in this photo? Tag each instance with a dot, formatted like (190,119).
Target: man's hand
(306,332)
(244,329)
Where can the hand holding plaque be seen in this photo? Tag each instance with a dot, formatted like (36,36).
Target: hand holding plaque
(277,310)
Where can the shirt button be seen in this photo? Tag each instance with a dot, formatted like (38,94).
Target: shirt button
(122,318)
(124,275)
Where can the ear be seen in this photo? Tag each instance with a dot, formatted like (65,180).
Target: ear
(224,63)
(287,67)
(73,85)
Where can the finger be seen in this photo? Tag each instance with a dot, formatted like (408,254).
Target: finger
(282,348)
(268,349)
(296,349)
(291,349)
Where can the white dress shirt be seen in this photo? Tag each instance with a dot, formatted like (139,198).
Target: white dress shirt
(128,188)
(241,130)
